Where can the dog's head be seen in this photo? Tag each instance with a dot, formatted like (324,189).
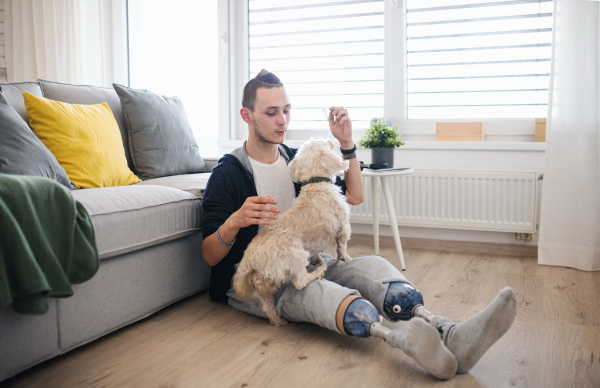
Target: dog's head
(317,158)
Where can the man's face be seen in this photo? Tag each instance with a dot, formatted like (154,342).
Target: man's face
(271,115)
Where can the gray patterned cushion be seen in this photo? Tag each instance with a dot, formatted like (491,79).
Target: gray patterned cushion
(161,140)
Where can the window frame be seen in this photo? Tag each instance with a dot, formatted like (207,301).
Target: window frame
(233,30)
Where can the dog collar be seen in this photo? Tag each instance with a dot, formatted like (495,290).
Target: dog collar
(316,179)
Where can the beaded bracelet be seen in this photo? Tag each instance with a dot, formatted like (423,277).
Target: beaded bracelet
(226,244)
(349,156)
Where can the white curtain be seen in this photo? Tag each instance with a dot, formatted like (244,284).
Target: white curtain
(73,41)
(570,210)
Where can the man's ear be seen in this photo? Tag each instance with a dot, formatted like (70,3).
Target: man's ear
(245,113)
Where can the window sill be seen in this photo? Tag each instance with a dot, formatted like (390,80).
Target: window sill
(521,146)
(476,146)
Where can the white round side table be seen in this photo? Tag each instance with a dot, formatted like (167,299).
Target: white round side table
(385,175)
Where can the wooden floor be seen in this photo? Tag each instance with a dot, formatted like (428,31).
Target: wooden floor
(554,342)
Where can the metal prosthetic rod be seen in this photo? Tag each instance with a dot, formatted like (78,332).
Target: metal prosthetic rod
(421,312)
(378,330)
(394,338)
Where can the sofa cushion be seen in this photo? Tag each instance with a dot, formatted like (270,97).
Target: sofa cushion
(22,153)
(84,139)
(128,218)
(192,183)
(85,94)
(14,95)
(161,140)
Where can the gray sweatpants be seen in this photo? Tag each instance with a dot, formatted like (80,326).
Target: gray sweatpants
(318,302)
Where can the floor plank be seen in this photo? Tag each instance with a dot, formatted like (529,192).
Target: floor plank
(554,342)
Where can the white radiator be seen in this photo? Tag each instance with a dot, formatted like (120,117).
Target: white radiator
(500,201)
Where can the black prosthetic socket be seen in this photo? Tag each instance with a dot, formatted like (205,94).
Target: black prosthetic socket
(400,301)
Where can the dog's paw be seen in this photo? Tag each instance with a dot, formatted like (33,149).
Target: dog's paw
(322,269)
(278,322)
(345,258)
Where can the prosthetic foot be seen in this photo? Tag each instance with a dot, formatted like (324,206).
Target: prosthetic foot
(469,340)
(420,341)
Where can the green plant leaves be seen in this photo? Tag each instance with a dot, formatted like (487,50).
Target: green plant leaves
(380,135)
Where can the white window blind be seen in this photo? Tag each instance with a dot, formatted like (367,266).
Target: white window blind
(471,59)
(325,52)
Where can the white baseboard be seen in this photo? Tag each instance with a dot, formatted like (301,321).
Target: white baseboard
(446,234)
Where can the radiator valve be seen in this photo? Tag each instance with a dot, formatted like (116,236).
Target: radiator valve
(526,237)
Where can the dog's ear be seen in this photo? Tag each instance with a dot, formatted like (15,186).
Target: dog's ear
(331,144)
(345,165)
(331,162)
(292,168)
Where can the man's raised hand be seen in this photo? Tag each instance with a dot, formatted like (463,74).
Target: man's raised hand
(341,126)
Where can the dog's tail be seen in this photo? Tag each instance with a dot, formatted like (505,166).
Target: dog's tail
(242,281)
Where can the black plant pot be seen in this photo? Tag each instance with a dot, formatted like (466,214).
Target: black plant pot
(381,155)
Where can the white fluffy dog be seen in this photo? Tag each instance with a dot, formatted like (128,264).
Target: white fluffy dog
(318,217)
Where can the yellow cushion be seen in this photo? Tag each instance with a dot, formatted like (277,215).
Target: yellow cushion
(85,139)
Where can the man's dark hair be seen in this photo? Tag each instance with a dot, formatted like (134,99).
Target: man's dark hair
(264,79)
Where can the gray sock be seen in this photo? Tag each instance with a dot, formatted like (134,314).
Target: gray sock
(468,341)
(421,342)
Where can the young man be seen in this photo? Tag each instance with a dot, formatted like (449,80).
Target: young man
(251,186)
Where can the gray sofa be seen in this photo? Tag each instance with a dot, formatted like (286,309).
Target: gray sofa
(148,239)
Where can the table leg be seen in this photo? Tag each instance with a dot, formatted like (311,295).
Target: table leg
(375,201)
(393,221)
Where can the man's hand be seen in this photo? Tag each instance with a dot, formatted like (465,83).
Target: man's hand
(341,126)
(254,211)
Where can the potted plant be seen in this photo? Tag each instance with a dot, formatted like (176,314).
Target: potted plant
(382,140)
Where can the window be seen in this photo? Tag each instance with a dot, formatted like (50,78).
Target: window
(413,62)
(325,53)
(173,50)
(472,59)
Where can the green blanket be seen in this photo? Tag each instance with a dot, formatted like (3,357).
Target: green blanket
(46,243)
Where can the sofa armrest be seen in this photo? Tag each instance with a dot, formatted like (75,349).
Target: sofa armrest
(210,163)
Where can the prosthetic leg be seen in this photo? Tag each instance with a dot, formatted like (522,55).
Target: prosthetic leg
(469,340)
(420,341)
